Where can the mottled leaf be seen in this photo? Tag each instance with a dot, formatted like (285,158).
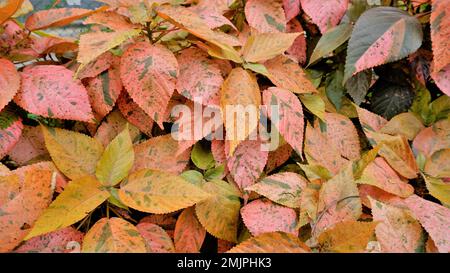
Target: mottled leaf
(189,233)
(326,13)
(266,15)
(10,130)
(156,239)
(265,46)
(56,17)
(9,82)
(274,242)
(54,242)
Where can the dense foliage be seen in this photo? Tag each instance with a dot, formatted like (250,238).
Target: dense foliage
(90,161)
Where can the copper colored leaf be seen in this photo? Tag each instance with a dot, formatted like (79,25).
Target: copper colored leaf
(156,239)
(112,126)
(262,216)
(113,235)
(54,242)
(240,90)
(298,49)
(284,188)
(51,91)
(20,212)
(266,15)
(189,233)
(55,17)
(200,77)
(149,74)
(159,153)
(74,154)
(134,114)
(97,66)
(9,9)
(274,242)
(288,115)
(397,231)
(347,237)
(326,13)
(219,214)
(31,145)
(9,82)
(434,218)
(278,157)
(286,73)
(78,199)
(381,35)
(111,20)
(247,163)
(159,192)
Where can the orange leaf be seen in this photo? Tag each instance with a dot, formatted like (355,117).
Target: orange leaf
(189,233)
(9,82)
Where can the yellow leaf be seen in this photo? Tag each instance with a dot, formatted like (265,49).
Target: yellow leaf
(219,215)
(273,242)
(439,189)
(74,154)
(117,160)
(347,237)
(265,46)
(159,192)
(25,8)
(113,235)
(95,44)
(240,91)
(315,104)
(78,199)
(437,165)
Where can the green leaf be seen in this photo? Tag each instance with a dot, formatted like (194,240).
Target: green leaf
(193,177)
(314,103)
(358,85)
(215,173)
(334,89)
(117,160)
(258,68)
(331,40)
(202,157)
(438,188)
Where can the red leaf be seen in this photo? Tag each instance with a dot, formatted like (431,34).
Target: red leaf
(266,15)
(291,124)
(99,65)
(298,48)
(247,163)
(325,13)
(262,216)
(291,8)
(134,114)
(9,82)
(149,74)
(52,92)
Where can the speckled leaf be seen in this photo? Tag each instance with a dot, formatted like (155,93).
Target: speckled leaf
(440,28)
(189,233)
(112,126)
(397,230)
(298,49)
(113,235)
(434,218)
(54,242)
(284,188)
(10,130)
(378,173)
(134,114)
(9,82)
(370,122)
(31,145)
(159,153)
(210,12)
(149,74)
(321,150)
(219,215)
(156,239)
(338,201)
(111,20)
(51,91)
(278,157)
(442,79)
(74,154)
(22,209)
(274,242)
(56,17)
(117,160)
(240,89)
(262,216)
(347,237)
(159,192)
(80,197)
(286,73)
(265,46)
(289,120)
(247,163)
(433,139)
(266,15)
(326,13)
(381,35)
(200,77)
(438,164)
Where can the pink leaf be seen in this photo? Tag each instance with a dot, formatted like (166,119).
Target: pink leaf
(262,216)
(134,114)
(156,239)
(52,92)
(59,241)
(291,8)
(30,145)
(9,82)
(10,131)
(298,48)
(189,233)
(266,15)
(325,13)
